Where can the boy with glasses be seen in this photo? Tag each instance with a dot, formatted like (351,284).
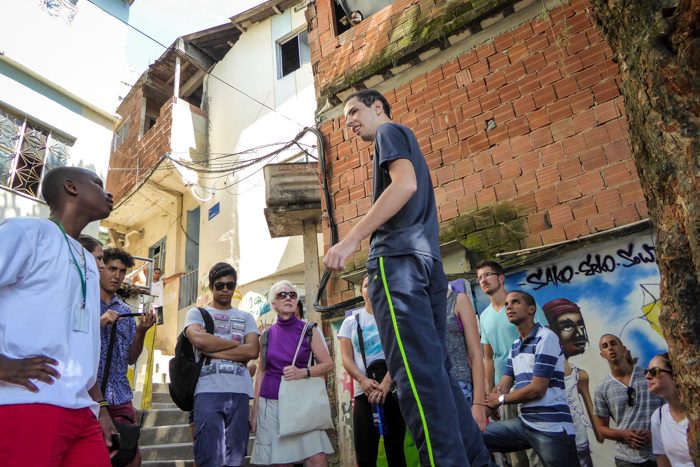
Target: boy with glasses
(128,343)
(224,388)
(497,336)
(624,396)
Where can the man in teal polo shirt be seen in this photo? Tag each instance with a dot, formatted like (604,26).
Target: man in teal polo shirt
(497,336)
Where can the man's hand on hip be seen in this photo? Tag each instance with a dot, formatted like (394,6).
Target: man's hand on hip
(21,371)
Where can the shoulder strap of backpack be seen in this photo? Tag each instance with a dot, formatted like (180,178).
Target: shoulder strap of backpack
(361,340)
(208,321)
(209,327)
(263,347)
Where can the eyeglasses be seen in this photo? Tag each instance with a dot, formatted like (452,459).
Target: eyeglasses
(631,396)
(656,371)
(282,295)
(486,275)
(219,286)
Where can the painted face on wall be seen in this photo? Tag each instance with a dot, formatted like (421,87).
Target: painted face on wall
(572,333)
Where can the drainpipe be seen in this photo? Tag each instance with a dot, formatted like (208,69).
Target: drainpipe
(334,235)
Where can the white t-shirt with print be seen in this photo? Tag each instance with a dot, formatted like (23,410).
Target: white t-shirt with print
(225,375)
(670,437)
(370,336)
(39,292)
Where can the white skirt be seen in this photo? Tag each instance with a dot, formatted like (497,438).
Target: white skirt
(269,448)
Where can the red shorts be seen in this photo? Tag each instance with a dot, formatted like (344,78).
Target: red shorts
(43,435)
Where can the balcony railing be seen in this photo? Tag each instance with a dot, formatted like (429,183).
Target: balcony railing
(189,286)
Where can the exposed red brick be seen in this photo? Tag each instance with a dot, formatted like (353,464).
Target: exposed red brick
(538,119)
(584,208)
(568,190)
(625,215)
(547,176)
(486,197)
(569,168)
(560,215)
(490,176)
(546,197)
(576,229)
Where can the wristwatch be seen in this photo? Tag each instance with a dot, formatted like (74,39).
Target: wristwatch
(308,373)
(501,399)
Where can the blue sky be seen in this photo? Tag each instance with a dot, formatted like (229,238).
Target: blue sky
(165,20)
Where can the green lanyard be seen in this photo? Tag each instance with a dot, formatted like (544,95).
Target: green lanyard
(83,280)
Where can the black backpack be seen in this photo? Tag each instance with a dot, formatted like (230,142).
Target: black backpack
(185,369)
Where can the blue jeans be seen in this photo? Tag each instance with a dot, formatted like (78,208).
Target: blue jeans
(221,428)
(553,449)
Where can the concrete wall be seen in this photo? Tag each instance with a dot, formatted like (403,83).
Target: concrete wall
(65,76)
(239,234)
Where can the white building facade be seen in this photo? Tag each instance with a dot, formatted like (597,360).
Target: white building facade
(61,70)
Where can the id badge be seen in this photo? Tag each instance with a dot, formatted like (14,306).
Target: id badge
(81,320)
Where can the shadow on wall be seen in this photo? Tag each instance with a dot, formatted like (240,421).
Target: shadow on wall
(16,205)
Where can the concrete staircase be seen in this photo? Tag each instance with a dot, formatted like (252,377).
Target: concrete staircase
(165,434)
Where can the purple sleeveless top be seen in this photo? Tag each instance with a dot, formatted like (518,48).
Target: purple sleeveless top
(282,341)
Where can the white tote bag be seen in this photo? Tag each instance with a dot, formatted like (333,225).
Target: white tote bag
(303,403)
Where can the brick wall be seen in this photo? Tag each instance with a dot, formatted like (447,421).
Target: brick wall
(525,134)
(136,155)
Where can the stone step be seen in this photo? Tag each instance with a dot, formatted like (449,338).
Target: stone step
(171,463)
(156,435)
(176,451)
(160,388)
(166,452)
(164,417)
(163,405)
(161,397)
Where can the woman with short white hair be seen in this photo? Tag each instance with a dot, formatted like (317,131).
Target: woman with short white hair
(276,357)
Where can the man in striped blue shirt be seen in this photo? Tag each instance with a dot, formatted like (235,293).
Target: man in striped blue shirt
(536,367)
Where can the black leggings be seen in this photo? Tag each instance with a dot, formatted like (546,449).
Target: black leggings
(366,435)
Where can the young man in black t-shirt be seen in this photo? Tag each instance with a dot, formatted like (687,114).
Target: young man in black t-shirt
(408,287)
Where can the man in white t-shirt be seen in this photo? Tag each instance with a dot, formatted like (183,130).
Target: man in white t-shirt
(49,330)
(157,292)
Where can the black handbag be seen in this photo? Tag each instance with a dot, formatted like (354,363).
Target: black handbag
(376,370)
(128,434)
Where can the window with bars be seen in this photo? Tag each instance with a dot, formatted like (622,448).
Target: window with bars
(121,133)
(27,151)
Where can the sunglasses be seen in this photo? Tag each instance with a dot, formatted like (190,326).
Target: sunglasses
(631,396)
(282,295)
(656,371)
(219,286)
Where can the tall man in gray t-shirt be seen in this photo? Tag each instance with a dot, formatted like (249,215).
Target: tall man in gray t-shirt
(408,288)
(225,387)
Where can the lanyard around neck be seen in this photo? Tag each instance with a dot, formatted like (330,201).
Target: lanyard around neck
(83,279)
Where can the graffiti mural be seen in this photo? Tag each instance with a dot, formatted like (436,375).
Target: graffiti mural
(611,287)
(344,391)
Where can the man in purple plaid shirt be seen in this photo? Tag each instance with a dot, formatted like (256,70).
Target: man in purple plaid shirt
(129,340)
